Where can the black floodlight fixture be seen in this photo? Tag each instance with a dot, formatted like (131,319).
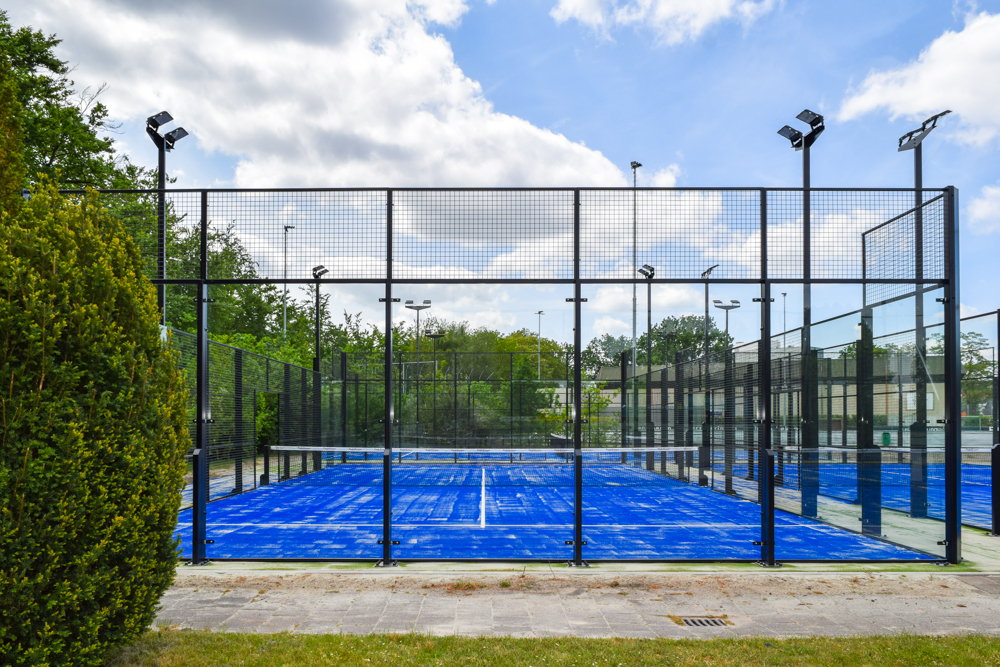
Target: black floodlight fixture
(647,271)
(320,271)
(162,118)
(812,119)
(733,303)
(792,135)
(173,136)
(911,140)
(434,334)
(417,306)
(708,272)
(635,165)
(799,140)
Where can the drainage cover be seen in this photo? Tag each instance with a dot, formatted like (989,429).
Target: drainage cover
(703,621)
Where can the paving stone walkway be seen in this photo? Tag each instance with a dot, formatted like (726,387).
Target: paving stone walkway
(587,605)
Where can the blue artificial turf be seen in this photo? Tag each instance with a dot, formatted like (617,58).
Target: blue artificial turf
(628,513)
(839,480)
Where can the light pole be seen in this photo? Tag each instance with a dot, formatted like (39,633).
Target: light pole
(434,335)
(418,307)
(635,262)
(706,440)
(540,313)
(733,304)
(648,272)
(809,440)
(318,272)
(284,294)
(803,142)
(784,320)
(704,276)
(918,431)
(163,143)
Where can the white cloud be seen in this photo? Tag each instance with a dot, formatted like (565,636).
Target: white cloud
(331,93)
(666,177)
(959,71)
(674,21)
(984,211)
(611,325)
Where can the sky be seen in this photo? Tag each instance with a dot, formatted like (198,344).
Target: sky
(443,93)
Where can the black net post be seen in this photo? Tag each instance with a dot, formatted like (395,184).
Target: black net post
(200,480)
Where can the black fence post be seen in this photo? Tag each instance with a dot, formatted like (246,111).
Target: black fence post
(680,439)
(995,449)
(729,427)
(664,413)
(285,421)
(869,456)
(200,481)
(764,416)
(765,420)
(578,391)
(749,431)
(389,415)
(624,408)
(238,445)
(343,403)
(953,385)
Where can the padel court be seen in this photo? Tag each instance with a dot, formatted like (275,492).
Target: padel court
(495,505)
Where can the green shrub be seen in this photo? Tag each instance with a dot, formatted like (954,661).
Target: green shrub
(93,412)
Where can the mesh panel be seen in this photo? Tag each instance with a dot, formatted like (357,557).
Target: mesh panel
(890,251)
(679,232)
(495,234)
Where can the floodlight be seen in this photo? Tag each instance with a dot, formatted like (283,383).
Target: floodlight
(159,119)
(813,119)
(172,137)
(708,272)
(717,302)
(647,271)
(912,139)
(792,135)
(319,271)
(636,165)
(417,306)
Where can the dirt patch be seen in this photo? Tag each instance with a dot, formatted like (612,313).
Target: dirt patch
(651,585)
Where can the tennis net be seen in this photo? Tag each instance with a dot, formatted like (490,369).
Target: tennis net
(466,467)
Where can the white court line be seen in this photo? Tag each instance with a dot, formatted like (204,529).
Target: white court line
(482,503)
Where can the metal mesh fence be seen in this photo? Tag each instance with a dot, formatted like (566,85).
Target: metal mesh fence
(846,442)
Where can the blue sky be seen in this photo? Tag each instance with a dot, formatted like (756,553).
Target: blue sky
(554,92)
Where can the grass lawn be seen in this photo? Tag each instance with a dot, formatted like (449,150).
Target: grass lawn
(192,648)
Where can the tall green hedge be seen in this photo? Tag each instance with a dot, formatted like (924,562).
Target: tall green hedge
(92,407)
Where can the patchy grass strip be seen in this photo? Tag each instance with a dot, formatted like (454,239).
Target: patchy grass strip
(169,648)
